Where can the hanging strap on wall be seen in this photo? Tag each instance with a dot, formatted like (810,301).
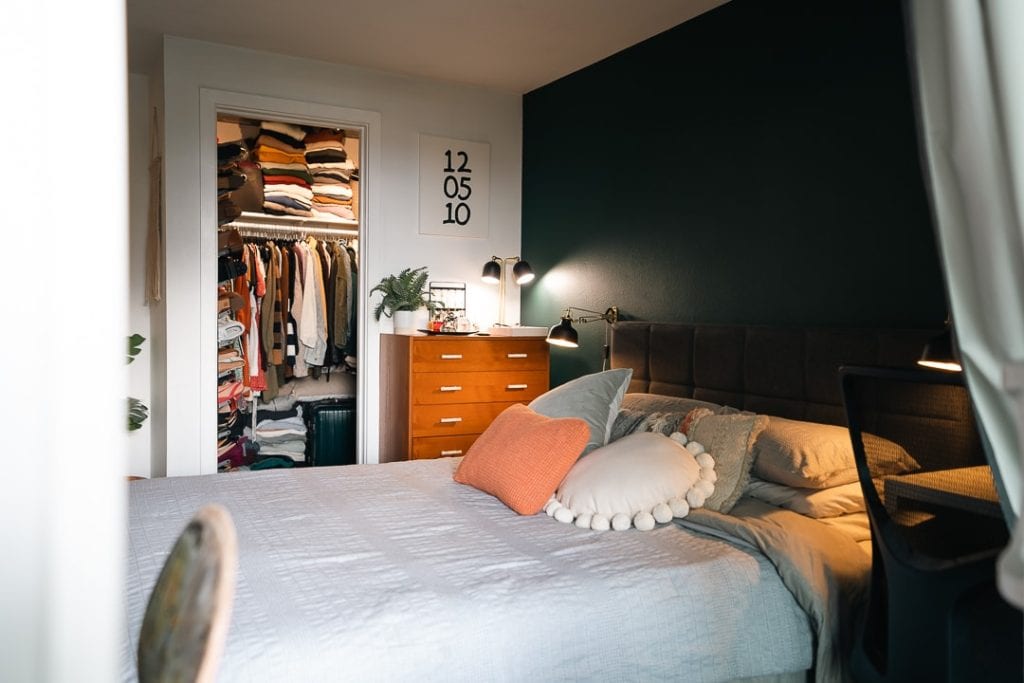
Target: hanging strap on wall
(154,235)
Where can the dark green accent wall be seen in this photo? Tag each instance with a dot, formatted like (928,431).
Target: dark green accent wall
(758,164)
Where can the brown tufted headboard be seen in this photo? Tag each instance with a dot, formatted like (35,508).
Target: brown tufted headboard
(785,371)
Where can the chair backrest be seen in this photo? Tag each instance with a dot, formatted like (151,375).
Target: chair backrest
(186,620)
(921,463)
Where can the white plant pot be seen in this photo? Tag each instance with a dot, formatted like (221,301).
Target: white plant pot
(405,322)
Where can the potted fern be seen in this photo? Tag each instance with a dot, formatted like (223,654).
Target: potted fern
(401,296)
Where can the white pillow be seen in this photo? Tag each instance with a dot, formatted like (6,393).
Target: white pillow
(833,501)
(593,398)
(638,480)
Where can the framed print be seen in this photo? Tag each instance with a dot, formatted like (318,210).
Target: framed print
(455,179)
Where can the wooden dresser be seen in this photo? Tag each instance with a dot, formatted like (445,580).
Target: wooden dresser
(438,393)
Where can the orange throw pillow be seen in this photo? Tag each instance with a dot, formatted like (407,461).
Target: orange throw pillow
(523,457)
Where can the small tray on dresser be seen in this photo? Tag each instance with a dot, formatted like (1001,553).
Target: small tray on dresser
(451,334)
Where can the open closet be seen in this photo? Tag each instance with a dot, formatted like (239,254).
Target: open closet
(288,216)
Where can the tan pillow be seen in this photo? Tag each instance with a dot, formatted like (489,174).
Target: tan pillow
(522,457)
(817,456)
(730,440)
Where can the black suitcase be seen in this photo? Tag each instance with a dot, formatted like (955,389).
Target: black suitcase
(331,432)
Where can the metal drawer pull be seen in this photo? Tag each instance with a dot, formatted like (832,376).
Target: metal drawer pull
(451,387)
(457,451)
(450,420)
(517,386)
(451,356)
(517,355)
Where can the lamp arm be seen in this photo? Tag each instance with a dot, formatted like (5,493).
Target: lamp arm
(611,315)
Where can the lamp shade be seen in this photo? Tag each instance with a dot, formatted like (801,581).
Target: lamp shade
(522,272)
(939,353)
(492,272)
(563,334)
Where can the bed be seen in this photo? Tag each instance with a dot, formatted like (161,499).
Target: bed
(398,572)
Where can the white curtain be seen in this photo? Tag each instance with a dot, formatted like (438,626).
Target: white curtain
(968,63)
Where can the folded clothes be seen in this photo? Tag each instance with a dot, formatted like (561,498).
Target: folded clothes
(265,154)
(332,166)
(229,391)
(289,422)
(330,201)
(318,135)
(289,189)
(326,145)
(285,180)
(294,446)
(229,329)
(280,429)
(331,178)
(228,365)
(320,156)
(271,176)
(337,212)
(276,209)
(272,166)
(288,130)
(288,200)
(336,191)
(281,142)
(229,353)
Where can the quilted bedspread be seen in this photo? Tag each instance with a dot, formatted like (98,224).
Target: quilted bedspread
(395,572)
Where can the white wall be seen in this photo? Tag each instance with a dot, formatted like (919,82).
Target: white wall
(407,107)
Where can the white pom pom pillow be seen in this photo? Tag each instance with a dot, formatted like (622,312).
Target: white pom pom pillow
(637,481)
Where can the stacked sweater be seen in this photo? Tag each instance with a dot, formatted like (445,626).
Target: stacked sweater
(280,151)
(332,171)
(281,434)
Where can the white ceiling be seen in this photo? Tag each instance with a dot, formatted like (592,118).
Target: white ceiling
(511,45)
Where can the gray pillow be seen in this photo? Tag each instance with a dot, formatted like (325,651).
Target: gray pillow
(657,403)
(594,398)
(729,439)
(657,413)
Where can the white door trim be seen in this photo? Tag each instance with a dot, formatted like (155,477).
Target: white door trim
(211,103)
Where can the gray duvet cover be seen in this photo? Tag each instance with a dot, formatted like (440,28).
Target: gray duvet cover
(397,573)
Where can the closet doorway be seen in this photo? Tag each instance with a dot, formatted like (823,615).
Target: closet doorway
(285,198)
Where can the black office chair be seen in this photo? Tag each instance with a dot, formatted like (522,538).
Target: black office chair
(933,612)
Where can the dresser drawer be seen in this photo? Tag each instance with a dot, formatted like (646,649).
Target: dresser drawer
(471,355)
(477,387)
(456,418)
(426,447)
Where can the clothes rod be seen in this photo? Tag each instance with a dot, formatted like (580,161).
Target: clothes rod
(253,228)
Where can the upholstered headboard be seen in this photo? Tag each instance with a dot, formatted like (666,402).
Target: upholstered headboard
(784,371)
